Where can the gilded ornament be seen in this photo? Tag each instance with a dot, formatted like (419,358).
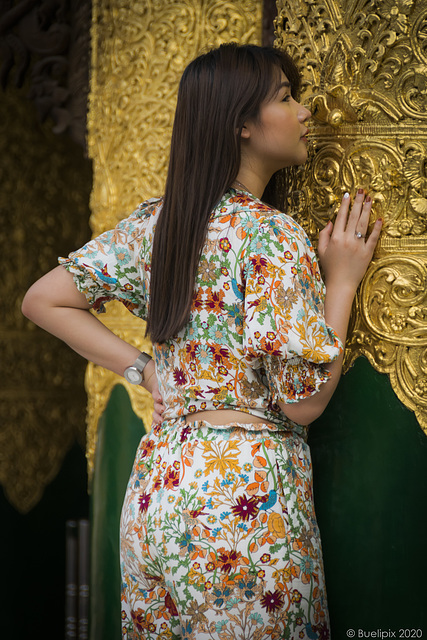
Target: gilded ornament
(364,70)
(45,188)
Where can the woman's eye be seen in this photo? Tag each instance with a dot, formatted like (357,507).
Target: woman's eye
(286,98)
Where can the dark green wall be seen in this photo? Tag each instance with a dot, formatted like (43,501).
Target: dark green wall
(370,461)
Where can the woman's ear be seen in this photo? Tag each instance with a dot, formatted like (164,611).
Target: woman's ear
(245,132)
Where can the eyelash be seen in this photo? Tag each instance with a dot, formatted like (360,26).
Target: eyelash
(286,98)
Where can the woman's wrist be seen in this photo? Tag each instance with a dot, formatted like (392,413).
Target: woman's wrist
(149,377)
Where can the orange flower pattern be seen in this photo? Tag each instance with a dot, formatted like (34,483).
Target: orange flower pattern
(232,549)
(219,535)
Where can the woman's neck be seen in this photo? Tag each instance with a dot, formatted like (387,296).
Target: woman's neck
(254,185)
(254,179)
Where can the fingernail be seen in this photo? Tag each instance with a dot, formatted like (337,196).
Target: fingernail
(368,199)
(360,191)
(346,195)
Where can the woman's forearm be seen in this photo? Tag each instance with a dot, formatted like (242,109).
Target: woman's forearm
(345,256)
(338,303)
(55,304)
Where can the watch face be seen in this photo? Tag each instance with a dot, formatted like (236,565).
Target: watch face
(132,375)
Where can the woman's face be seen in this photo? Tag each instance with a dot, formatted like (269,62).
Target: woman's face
(278,138)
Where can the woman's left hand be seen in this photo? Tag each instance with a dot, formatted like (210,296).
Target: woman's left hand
(159,407)
(150,383)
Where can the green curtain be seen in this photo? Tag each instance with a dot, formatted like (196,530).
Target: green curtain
(119,433)
(370,485)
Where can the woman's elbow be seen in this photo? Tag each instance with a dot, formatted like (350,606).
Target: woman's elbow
(303,412)
(28,304)
(32,303)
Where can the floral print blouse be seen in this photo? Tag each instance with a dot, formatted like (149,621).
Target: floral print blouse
(256,333)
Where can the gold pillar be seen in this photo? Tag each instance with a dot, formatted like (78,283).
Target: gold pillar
(364,68)
(139,51)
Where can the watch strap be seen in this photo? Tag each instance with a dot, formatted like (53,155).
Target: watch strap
(141,362)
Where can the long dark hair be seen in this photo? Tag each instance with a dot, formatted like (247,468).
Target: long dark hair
(219,91)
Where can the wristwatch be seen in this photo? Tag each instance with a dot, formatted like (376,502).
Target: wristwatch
(135,373)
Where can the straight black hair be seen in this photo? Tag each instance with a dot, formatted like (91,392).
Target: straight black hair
(219,91)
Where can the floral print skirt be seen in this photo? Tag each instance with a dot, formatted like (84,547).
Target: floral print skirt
(219,536)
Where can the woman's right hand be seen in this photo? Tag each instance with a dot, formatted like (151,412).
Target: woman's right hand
(345,256)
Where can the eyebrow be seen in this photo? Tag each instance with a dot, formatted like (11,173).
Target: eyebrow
(286,84)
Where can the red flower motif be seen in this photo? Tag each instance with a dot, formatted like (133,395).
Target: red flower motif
(215,301)
(296,596)
(259,263)
(190,348)
(179,377)
(224,245)
(228,560)
(241,199)
(272,600)
(170,605)
(147,448)
(272,348)
(197,512)
(144,501)
(221,355)
(157,482)
(138,618)
(197,299)
(184,434)
(171,478)
(322,630)
(246,507)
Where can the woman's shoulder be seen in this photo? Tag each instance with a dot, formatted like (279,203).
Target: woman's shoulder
(144,211)
(242,210)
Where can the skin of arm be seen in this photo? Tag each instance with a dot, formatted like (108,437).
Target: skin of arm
(55,304)
(344,258)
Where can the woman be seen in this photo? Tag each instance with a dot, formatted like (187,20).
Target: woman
(219,535)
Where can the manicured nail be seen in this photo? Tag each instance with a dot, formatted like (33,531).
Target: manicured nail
(360,191)
(368,199)
(346,195)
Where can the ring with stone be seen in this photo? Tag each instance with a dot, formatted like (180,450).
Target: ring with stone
(358,234)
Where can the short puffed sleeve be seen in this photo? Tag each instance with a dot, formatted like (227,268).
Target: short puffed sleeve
(114,265)
(285,332)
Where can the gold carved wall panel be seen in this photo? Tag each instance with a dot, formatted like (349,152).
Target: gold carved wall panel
(139,51)
(364,68)
(44,196)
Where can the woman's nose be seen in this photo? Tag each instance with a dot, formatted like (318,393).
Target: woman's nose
(304,114)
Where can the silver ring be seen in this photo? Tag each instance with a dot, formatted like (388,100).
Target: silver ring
(359,235)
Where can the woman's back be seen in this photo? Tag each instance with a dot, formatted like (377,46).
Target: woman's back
(256,329)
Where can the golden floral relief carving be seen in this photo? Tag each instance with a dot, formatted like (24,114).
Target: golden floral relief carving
(139,51)
(364,68)
(45,186)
